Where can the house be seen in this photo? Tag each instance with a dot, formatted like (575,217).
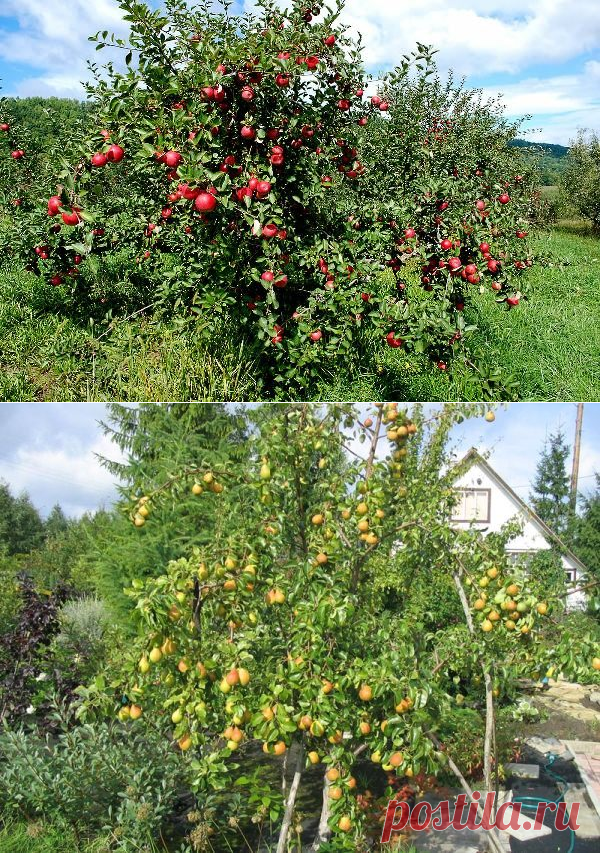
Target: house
(486,502)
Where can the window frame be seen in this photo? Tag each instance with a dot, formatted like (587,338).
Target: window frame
(469,489)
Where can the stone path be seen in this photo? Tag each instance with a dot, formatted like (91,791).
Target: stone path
(587,757)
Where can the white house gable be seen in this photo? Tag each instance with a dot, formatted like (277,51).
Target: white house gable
(477,491)
(486,503)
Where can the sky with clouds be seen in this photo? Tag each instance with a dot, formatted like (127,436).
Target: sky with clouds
(51,450)
(543,56)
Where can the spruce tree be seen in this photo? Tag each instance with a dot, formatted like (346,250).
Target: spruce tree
(57,522)
(586,540)
(550,495)
(157,440)
(21,528)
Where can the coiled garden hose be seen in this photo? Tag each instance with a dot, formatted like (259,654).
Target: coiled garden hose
(530,804)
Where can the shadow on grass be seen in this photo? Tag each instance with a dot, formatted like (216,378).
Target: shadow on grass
(576,227)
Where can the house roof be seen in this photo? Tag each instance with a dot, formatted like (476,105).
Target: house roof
(474,457)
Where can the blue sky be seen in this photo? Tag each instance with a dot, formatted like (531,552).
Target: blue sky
(49,449)
(542,55)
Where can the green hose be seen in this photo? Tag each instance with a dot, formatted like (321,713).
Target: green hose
(530,804)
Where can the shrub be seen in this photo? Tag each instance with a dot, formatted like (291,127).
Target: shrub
(91,777)
(25,644)
(571,646)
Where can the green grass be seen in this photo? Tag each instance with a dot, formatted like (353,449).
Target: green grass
(46,356)
(552,341)
(549,345)
(36,837)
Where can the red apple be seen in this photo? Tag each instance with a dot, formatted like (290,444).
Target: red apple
(248,132)
(512,301)
(454,263)
(247,93)
(269,230)
(281,281)
(99,159)
(504,198)
(484,248)
(71,218)
(282,80)
(410,233)
(54,204)
(268,276)
(205,202)
(446,245)
(4,126)
(316,335)
(392,340)
(115,153)
(172,159)
(56,280)
(329,41)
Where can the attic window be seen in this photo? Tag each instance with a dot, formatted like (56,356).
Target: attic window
(472,505)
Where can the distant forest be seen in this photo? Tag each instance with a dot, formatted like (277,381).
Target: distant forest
(551,160)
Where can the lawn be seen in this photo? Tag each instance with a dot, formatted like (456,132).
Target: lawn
(546,349)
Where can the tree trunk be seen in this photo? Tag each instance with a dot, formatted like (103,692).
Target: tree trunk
(291,802)
(490,719)
(323,832)
(493,840)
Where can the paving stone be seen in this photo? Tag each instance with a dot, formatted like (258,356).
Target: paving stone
(587,818)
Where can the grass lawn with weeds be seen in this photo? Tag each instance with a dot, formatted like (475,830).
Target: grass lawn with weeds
(546,349)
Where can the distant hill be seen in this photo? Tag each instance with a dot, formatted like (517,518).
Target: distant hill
(550,160)
(548,147)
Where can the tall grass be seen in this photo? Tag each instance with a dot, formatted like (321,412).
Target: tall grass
(41,838)
(546,349)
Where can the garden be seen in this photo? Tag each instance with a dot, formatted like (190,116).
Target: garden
(240,212)
(275,631)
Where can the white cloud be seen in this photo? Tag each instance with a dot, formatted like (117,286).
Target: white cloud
(561,103)
(479,36)
(53,37)
(475,38)
(50,453)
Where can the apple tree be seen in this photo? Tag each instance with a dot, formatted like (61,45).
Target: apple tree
(580,185)
(225,178)
(17,170)
(274,629)
(455,199)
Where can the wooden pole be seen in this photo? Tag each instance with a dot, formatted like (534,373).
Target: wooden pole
(576,455)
